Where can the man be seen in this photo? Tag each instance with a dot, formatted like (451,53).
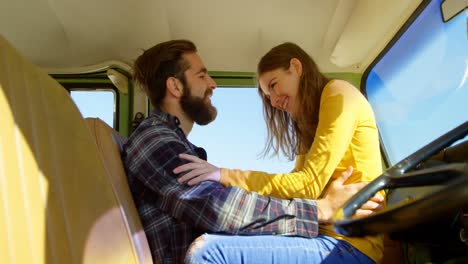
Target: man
(174,214)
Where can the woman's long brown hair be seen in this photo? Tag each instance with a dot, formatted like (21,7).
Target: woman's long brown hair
(292,136)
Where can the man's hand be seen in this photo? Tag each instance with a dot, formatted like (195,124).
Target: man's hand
(338,194)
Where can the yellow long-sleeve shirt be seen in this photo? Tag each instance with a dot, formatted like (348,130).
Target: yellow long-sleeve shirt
(346,136)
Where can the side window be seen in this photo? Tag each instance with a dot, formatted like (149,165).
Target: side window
(103,91)
(237,136)
(97,103)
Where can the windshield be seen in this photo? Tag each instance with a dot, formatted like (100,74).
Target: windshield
(418,88)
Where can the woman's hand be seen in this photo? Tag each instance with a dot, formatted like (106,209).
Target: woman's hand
(339,193)
(373,205)
(198,170)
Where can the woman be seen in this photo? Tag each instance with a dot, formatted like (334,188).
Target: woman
(328,125)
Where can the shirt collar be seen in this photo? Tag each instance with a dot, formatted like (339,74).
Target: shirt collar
(173,121)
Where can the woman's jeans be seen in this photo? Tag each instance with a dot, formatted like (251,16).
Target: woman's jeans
(211,248)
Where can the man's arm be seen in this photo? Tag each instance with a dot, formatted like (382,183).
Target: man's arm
(209,206)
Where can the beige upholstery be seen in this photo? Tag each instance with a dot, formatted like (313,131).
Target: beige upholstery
(109,143)
(58,204)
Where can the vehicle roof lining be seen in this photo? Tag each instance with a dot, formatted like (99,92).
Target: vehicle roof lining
(230,35)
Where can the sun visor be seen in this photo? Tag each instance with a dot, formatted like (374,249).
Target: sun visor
(367,31)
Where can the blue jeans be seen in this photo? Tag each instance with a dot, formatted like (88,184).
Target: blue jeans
(211,248)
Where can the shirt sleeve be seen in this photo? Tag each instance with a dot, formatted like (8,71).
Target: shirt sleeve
(209,205)
(299,163)
(339,110)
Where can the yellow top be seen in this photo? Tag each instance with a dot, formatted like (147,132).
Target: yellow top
(346,136)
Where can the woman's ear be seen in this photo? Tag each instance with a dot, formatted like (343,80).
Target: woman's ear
(174,87)
(295,65)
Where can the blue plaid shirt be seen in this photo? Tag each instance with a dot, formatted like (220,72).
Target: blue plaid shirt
(174,214)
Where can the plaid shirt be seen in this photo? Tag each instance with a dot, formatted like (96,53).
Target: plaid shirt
(174,214)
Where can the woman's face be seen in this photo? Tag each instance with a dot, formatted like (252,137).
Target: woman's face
(282,86)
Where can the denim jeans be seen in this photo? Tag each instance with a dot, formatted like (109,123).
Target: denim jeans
(211,248)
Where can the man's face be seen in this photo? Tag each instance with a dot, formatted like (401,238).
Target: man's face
(198,89)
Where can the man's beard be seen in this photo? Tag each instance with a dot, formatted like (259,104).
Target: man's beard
(200,110)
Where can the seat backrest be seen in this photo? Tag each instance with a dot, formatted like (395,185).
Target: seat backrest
(57,203)
(110,143)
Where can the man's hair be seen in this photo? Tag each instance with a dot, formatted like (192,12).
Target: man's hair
(155,65)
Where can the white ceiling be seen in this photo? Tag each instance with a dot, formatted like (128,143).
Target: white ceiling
(341,35)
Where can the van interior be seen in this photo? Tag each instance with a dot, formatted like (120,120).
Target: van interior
(64,192)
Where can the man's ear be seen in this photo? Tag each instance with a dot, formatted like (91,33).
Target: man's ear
(296,66)
(174,87)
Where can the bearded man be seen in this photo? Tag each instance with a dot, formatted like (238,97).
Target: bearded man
(174,214)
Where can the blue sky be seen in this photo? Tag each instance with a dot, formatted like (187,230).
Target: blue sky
(95,104)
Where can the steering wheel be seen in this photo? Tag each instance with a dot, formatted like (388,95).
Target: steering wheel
(451,196)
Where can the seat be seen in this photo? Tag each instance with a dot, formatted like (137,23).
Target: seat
(110,144)
(61,201)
